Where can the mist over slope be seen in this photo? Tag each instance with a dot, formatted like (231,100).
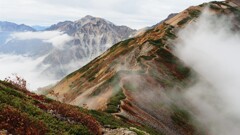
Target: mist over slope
(160,79)
(211,48)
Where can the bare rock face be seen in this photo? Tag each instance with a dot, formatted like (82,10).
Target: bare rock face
(119,131)
(80,42)
(123,131)
(91,37)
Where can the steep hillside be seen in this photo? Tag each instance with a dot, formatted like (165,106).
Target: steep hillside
(25,113)
(132,79)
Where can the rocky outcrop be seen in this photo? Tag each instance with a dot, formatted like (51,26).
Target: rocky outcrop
(119,131)
(91,37)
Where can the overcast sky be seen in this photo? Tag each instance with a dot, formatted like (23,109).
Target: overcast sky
(133,13)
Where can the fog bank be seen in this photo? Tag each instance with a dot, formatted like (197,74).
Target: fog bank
(211,49)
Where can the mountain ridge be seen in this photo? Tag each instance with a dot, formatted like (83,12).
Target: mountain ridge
(85,38)
(138,70)
(13,27)
(91,37)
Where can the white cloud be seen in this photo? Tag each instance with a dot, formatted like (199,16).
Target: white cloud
(30,71)
(60,40)
(211,49)
(36,35)
(133,13)
(56,38)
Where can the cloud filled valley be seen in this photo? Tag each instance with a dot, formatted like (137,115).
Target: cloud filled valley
(25,67)
(42,57)
(23,54)
(56,38)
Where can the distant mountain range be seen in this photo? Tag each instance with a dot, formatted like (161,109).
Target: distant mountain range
(13,27)
(88,38)
(6,26)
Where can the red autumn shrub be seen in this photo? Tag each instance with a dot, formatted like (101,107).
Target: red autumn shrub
(75,115)
(17,123)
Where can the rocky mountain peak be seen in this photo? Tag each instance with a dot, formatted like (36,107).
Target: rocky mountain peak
(89,17)
(90,37)
(92,21)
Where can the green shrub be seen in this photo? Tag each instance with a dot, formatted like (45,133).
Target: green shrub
(183,21)
(181,68)
(168,32)
(78,130)
(158,42)
(194,13)
(180,116)
(13,92)
(114,102)
(108,119)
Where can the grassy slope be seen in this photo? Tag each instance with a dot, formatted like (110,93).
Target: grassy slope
(25,113)
(174,71)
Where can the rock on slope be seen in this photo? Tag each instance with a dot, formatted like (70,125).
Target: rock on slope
(131,78)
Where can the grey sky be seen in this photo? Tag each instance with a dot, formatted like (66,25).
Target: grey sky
(133,13)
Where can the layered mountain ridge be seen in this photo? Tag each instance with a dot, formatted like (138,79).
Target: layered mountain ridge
(91,37)
(132,79)
(13,27)
(66,46)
